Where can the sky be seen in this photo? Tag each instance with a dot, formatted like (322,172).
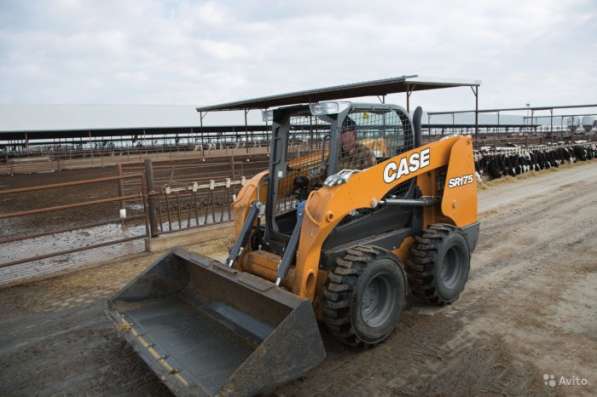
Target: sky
(206,52)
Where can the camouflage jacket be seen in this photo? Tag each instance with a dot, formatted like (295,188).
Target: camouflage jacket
(359,158)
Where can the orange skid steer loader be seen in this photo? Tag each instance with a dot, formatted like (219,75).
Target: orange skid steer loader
(353,214)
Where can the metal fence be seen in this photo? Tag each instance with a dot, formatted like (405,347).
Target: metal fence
(196,205)
(153,197)
(192,193)
(38,163)
(140,197)
(183,193)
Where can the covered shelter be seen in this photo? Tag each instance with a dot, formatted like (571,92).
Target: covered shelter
(380,88)
(531,109)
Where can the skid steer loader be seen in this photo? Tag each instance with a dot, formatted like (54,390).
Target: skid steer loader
(353,214)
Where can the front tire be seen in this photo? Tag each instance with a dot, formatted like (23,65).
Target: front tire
(439,264)
(364,296)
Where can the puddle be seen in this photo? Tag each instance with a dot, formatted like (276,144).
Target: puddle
(65,241)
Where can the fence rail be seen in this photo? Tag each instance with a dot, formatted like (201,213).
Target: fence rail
(140,196)
(32,163)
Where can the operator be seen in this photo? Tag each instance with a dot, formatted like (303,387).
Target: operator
(353,154)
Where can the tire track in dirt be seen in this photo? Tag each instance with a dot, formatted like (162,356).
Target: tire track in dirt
(496,339)
(517,293)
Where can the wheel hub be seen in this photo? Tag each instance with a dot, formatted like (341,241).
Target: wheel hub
(378,301)
(450,269)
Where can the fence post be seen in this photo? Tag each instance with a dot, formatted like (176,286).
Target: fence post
(121,190)
(151,198)
(232,164)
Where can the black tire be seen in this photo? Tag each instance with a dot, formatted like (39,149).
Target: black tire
(439,264)
(363,296)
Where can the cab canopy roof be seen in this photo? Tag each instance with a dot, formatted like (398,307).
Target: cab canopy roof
(381,87)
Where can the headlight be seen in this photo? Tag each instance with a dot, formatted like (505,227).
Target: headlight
(339,178)
(323,108)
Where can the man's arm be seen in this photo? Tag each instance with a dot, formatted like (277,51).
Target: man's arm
(372,159)
(367,157)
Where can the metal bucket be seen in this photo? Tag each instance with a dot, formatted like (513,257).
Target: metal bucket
(208,330)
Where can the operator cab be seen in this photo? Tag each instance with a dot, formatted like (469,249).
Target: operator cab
(313,144)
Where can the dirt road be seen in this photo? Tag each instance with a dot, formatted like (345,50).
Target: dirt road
(529,310)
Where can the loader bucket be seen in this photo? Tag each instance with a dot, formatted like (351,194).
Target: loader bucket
(208,330)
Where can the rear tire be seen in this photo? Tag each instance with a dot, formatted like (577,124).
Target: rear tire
(439,264)
(363,296)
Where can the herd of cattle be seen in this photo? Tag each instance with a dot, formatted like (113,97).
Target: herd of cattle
(493,163)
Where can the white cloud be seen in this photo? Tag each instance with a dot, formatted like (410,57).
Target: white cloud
(223,50)
(212,13)
(186,52)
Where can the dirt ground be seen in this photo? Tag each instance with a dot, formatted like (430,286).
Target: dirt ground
(529,310)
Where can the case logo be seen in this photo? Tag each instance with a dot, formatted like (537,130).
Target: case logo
(460,181)
(407,165)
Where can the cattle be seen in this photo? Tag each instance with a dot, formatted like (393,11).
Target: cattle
(494,163)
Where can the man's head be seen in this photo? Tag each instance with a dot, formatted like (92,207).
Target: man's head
(348,134)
